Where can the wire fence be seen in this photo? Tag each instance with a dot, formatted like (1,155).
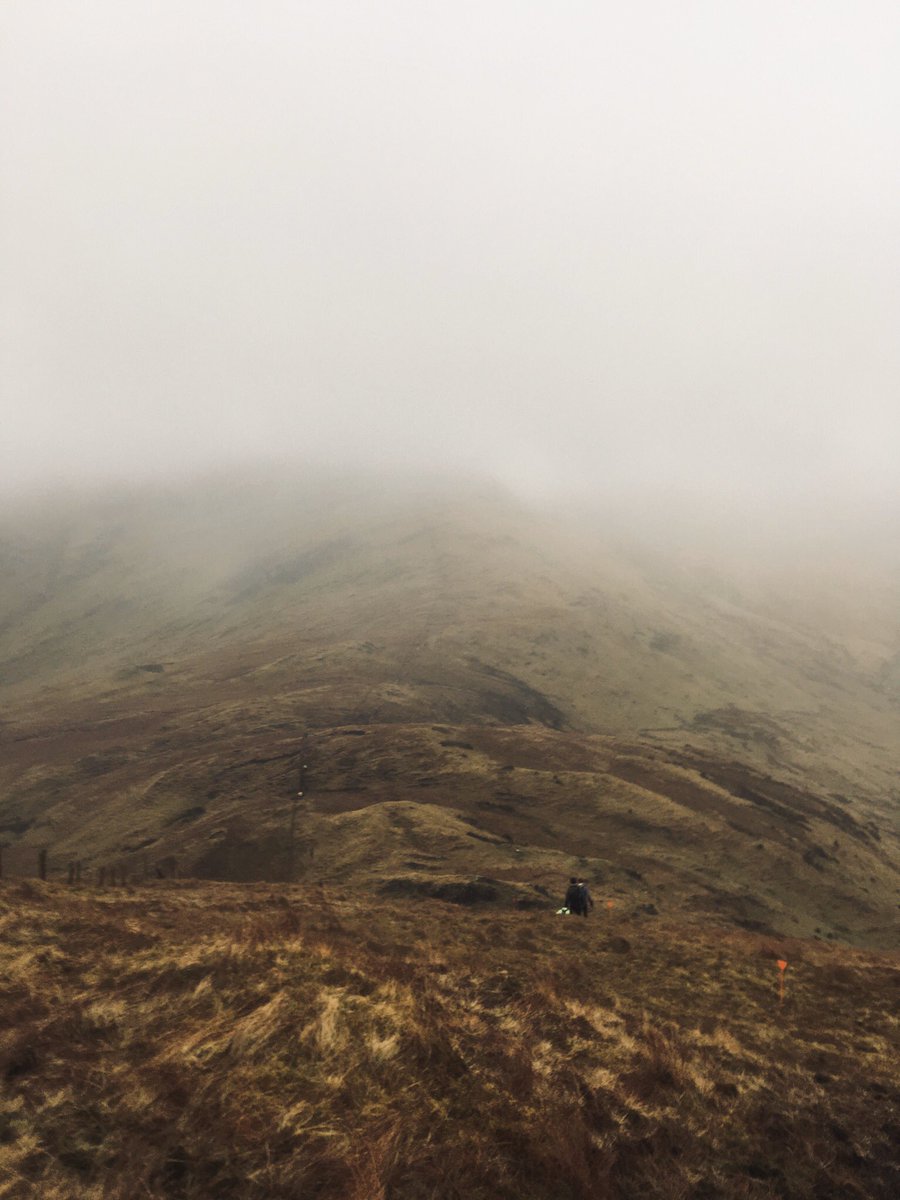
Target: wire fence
(35,862)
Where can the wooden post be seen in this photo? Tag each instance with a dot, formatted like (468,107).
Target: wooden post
(71,874)
(101,876)
(1,861)
(42,864)
(78,870)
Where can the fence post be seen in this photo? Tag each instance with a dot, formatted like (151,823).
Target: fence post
(101,876)
(1,861)
(78,871)
(71,876)
(42,864)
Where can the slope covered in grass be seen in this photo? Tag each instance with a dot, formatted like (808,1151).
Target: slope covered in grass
(318,601)
(196,1040)
(721,725)
(681,831)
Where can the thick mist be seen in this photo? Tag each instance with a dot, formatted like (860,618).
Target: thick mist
(586,249)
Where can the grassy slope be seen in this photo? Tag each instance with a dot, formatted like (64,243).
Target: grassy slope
(168,661)
(480,695)
(524,805)
(194,1040)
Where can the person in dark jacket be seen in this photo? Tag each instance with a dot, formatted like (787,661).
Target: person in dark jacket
(574,900)
(587,900)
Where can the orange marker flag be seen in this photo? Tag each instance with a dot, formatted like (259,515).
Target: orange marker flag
(782,967)
(609,905)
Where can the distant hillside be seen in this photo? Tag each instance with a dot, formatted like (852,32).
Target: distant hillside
(474,687)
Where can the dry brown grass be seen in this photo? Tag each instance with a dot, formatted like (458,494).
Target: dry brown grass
(207,1040)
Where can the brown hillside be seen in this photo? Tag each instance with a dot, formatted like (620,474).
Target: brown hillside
(476,689)
(185,1040)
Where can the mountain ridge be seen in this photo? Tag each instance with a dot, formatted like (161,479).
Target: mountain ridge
(146,638)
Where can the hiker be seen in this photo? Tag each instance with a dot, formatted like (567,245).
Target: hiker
(587,900)
(574,900)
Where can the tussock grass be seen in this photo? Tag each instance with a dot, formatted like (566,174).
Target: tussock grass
(207,1040)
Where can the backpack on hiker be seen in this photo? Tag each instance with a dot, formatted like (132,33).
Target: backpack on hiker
(574,900)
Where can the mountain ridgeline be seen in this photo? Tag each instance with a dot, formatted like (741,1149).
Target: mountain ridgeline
(426,689)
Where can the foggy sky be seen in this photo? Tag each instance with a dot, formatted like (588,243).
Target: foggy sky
(573,244)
